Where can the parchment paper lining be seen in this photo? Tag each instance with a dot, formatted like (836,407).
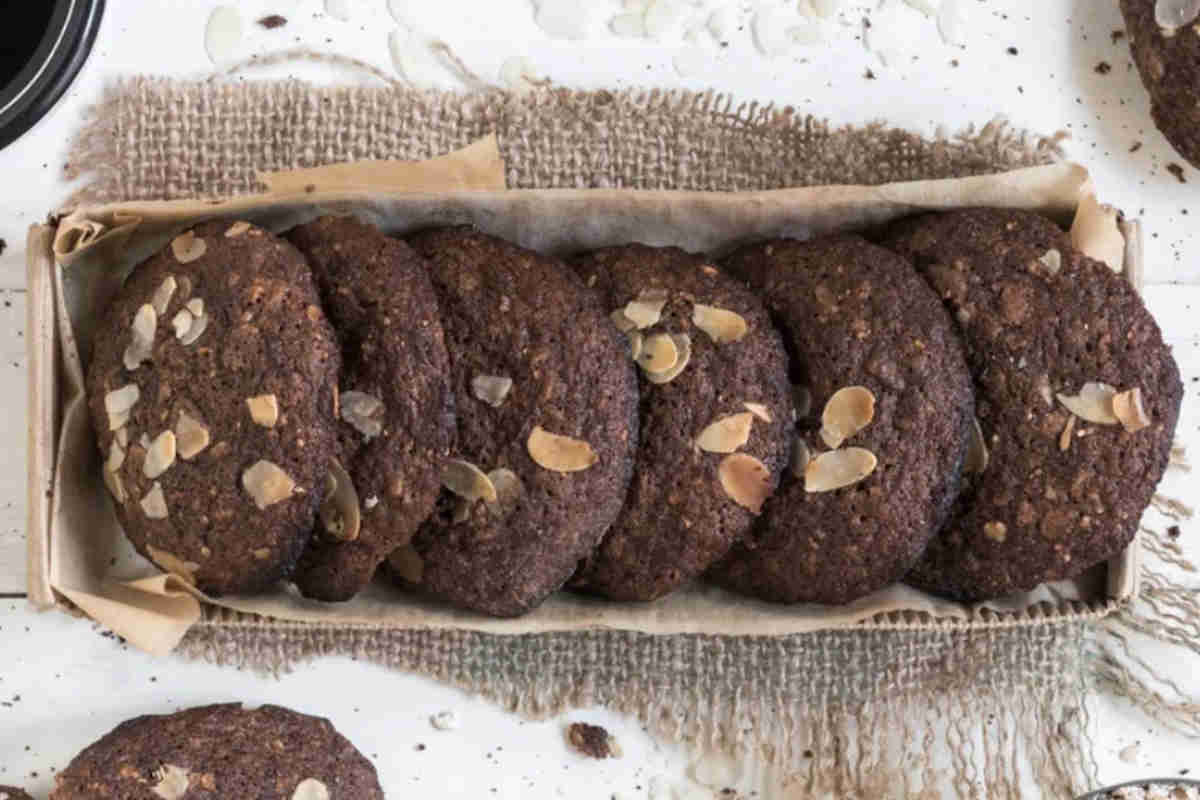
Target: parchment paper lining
(91,565)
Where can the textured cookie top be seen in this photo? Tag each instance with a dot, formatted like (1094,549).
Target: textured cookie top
(211,390)
(885,405)
(1066,480)
(396,407)
(731,396)
(546,403)
(221,751)
(1167,59)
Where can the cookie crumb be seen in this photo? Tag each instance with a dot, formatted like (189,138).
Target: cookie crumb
(1103,68)
(592,741)
(444,721)
(3,245)
(869,75)
(1173,531)
(1177,171)
(1117,35)
(272,21)
(1012,51)
(1133,148)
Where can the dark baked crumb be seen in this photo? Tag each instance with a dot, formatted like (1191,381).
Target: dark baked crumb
(954,62)
(1117,35)
(3,245)
(1012,51)
(1103,68)
(592,741)
(1177,171)
(272,21)
(1173,531)
(869,75)
(1133,148)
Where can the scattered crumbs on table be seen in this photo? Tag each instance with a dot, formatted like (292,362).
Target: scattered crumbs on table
(1012,51)
(1133,148)
(1117,35)
(444,721)
(869,75)
(1103,68)
(1177,171)
(592,741)
(1173,531)
(272,21)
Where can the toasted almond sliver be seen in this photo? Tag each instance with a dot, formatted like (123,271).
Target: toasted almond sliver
(187,248)
(1064,438)
(491,389)
(116,457)
(1094,403)
(977,451)
(363,412)
(311,789)
(847,412)
(1052,260)
(199,325)
(1128,408)
(182,322)
(196,306)
(115,486)
(635,344)
(509,489)
(646,309)
(160,455)
(264,409)
(745,479)
(191,437)
(154,504)
(838,468)
(721,325)
(267,484)
(683,344)
(727,434)
(339,511)
(122,399)
(759,410)
(659,353)
(237,229)
(468,481)
(624,324)
(559,453)
(163,294)
(145,326)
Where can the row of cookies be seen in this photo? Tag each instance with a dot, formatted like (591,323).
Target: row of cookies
(799,432)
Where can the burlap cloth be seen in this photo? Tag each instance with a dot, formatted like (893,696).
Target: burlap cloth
(856,713)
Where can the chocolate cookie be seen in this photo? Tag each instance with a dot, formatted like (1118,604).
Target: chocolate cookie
(1167,57)
(13,793)
(1044,325)
(884,413)
(731,396)
(397,410)
(221,751)
(211,389)
(546,402)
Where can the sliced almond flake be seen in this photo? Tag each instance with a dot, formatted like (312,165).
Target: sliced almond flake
(837,469)
(977,450)
(847,412)
(726,434)
(196,306)
(1094,403)
(745,479)
(363,412)
(172,781)
(116,457)
(1064,438)
(339,511)
(721,325)
(237,229)
(160,455)
(191,437)
(559,453)
(163,294)
(1044,390)
(182,323)
(509,490)
(1128,408)
(119,404)
(635,344)
(683,344)
(267,484)
(659,353)
(264,409)
(311,789)
(122,437)
(144,441)
(199,325)
(800,457)
(759,410)
(468,481)
(1052,261)
(154,503)
(624,324)
(370,502)
(491,389)
(407,563)
(646,309)
(185,287)
(187,247)
(115,486)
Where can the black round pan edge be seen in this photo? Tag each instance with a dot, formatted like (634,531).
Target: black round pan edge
(57,59)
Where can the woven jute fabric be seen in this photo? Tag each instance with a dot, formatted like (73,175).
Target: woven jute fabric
(853,712)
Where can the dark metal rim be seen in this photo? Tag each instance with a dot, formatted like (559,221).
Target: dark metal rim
(1168,782)
(59,56)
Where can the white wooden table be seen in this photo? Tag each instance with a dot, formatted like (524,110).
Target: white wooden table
(62,684)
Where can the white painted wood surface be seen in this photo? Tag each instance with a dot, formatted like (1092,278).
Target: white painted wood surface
(1051,83)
